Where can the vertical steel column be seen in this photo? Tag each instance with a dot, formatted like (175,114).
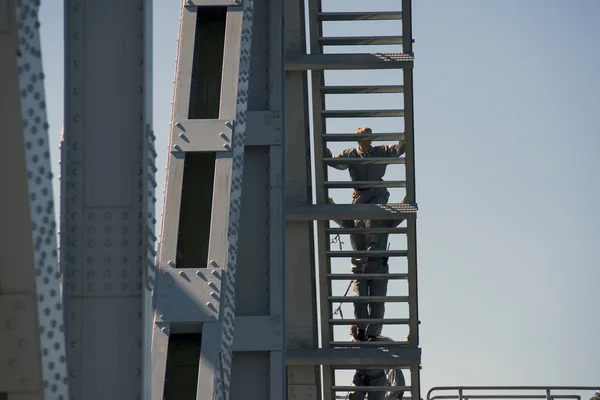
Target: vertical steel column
(411,195)
(30,306)
(303,382)
(149,204)
(277,170)
(167,254)
(107,181)
(197,294)
(319,128)
(223,379)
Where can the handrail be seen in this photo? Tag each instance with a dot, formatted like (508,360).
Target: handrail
(461,395)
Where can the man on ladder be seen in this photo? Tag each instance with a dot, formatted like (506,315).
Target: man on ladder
(367,287)
(378,377)
(369,241)
(369,172)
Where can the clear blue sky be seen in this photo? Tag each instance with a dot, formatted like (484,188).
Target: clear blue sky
(507,135)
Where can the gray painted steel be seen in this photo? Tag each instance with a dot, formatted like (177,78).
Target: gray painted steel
(30,306)
(107,195)
(242,273)
(411,196)
(303,382)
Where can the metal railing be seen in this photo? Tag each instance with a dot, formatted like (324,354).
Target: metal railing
(511,392)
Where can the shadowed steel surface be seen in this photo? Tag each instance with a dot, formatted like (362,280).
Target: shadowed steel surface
(301,327)
(26,297)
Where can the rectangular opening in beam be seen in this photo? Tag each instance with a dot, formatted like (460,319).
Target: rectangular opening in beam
(196,206)
(183,356)
(208,63)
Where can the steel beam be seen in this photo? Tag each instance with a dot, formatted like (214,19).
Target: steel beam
(228,112)
(107,195)
(32,342)
(303,382)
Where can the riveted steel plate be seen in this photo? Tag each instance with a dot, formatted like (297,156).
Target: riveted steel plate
(112,243)
(188,295)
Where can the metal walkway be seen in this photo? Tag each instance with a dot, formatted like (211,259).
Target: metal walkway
(335,355)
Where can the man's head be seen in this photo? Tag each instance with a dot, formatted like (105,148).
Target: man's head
(364,144)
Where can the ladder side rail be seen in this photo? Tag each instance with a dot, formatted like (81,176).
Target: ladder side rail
(277,302)
(411,195)
(322,239)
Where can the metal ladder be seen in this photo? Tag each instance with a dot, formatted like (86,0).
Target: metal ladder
(333,354)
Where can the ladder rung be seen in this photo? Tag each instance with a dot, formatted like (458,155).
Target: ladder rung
(370,254)
(370,388)
(359,16)
(362,89)
(364,357)
(371,299)
(360,40)
(348,231)
(388,321)
(351,137)
(366,160)
(361,113)
(366,276)
(355,61)
(364,184)
(360,344)
(334,212)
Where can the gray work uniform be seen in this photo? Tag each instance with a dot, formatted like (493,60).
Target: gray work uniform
(371,287)
(378,377)
(370,172)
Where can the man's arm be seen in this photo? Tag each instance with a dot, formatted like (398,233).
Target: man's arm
(343,154)
(391,150)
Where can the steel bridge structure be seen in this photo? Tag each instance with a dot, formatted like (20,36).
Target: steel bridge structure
(236,299)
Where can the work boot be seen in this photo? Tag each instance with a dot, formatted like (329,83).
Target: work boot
(357,333)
